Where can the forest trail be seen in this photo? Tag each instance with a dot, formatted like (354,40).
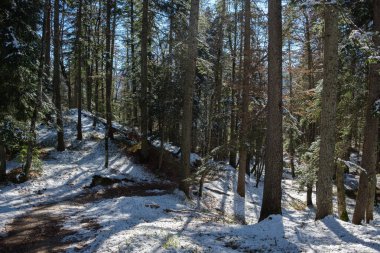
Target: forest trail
(77,205)
(42,229)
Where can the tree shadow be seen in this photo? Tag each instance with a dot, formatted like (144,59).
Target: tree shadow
(126,214)
(346,236)
(266,236)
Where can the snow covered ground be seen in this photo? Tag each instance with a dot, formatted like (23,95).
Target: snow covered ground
(169,222)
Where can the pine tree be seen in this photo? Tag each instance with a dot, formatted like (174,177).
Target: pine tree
(78,77)
(144,80)
(233,116)
(310,128)
(367,182)
(273,146)
(245,93)
(44,61)
(57,78)
(328,114)
(192,52)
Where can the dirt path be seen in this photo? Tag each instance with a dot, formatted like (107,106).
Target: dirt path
(41,230)
(37,231)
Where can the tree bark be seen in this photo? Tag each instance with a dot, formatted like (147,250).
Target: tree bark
(367,182)
(67,81)
(106,150)
(32,138)
(38,98)
(190,71)
(89,69)
(233,48)
(109,69)
(311,126)
(47,47)
(108,133)
(3,163)
(57,79)
(374,81)
(97,79)
(309,194)
(273,151)
(78,79)
(133,64)
(245,116)
(328,114)
(218,75)
(291,130)
(341,194)
(144,81)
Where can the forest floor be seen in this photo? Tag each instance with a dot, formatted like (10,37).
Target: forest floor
(76,205)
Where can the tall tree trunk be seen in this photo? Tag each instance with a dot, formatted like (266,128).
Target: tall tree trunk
(149,83)
(245,116)
(133,65)
(113,35)
(57,79)
(66,75)
(102,86)
(47,43)
(273,155)
(190,71)
(291,130)
(310,128)
(233,48)
(97,74)
(328,114)
(78,79)
(96,91)
(309,53)
(109,70)
(38,98)
(108,133)
(218,74)
(144,81)
(89,70)
(367,182)
(374,80)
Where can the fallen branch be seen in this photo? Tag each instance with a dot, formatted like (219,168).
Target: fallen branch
(217,191)
(350,165)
